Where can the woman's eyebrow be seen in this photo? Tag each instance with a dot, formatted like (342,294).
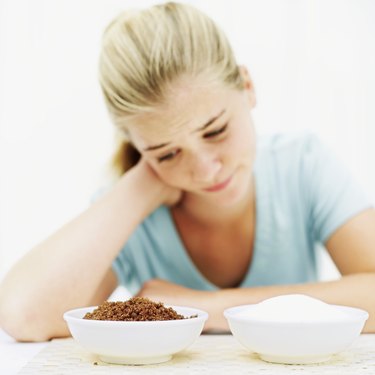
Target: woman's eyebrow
(207,124)
(151,148)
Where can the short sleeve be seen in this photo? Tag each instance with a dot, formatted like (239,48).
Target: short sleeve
(333,196)
(123,270)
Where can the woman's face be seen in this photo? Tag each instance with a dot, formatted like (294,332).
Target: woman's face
(202,141)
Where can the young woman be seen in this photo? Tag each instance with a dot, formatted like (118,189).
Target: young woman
(204,213)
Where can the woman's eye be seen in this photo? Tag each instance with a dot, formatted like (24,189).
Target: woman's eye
(215,133)
(168,156)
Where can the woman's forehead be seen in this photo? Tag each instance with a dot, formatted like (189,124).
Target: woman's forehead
(182,114)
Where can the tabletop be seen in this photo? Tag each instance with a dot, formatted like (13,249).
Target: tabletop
(15,355)
(210,354)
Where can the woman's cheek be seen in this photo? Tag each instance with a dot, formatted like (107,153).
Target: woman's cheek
(168,176)
(243,142)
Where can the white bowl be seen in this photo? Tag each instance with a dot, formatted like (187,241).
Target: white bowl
(135,342)
(298,342)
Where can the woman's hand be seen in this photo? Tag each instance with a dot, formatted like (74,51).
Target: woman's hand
(166,194)
(173,294)
(164,291)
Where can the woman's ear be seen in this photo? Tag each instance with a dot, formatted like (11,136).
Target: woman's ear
(248,85)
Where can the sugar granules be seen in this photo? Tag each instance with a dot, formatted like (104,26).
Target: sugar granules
(294,308)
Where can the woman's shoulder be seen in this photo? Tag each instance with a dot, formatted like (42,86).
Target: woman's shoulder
(284,150)
(288,143)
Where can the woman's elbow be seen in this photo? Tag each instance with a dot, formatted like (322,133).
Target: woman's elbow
(26,324)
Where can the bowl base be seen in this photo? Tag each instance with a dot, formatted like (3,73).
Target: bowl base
(294,360)
(135,360)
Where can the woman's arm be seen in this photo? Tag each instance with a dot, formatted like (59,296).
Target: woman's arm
(352,248)
(72,268)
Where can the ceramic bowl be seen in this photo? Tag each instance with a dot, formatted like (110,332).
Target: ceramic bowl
(135,342)
(295,342)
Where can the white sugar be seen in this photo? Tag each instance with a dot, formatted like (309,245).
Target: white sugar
(294,308)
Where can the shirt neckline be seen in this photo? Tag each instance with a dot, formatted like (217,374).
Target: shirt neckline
(260,202)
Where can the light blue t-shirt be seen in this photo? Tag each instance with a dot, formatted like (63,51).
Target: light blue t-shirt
(303,194)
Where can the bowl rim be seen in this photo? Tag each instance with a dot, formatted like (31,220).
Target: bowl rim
(361,315)
(67,316)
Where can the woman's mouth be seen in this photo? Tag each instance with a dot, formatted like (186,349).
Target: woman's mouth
(220,186)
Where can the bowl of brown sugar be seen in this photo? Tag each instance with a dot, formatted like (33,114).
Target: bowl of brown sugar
(135,332)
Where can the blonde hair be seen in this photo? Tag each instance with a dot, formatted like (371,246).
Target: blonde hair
(144,52)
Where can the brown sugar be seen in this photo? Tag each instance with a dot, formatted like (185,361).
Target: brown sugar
(134,309)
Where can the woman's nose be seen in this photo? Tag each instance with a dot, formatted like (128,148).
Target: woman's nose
(204,167)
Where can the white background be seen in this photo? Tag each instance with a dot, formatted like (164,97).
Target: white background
(312,62)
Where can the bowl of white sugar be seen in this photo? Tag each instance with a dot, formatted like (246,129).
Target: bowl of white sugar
(295,328)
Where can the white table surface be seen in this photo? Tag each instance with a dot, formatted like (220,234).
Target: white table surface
(210,354)
(14,355)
